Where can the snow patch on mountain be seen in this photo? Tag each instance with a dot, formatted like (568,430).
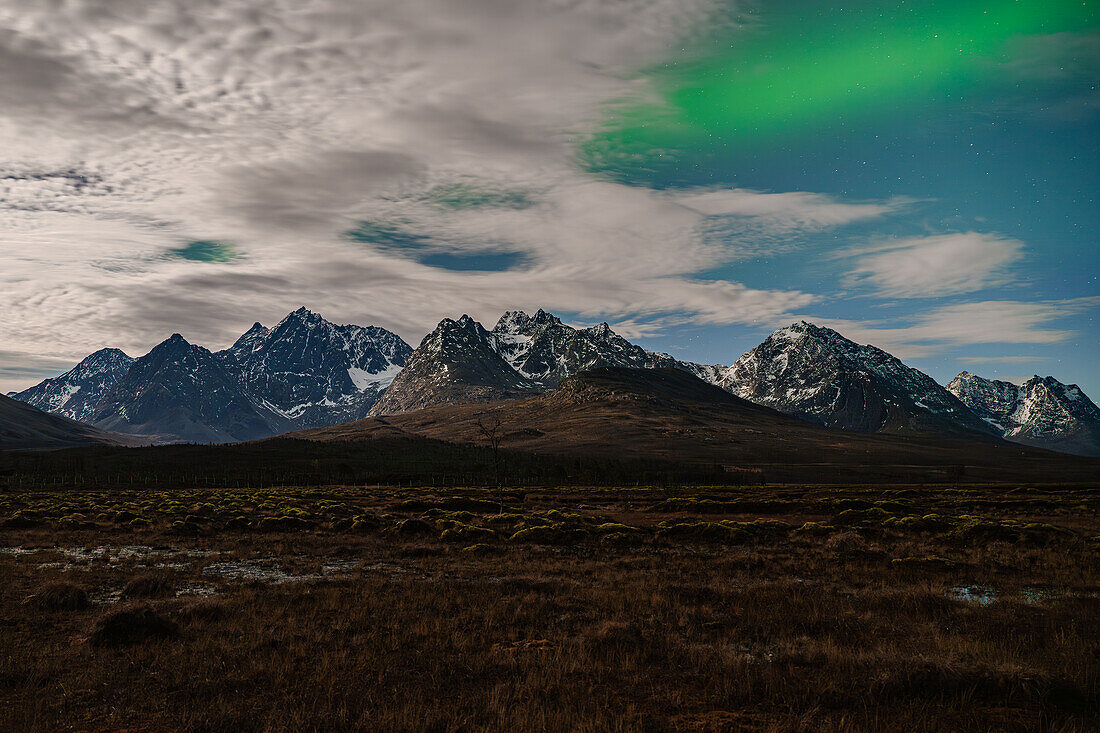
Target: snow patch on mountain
(819,375)
(1041,412)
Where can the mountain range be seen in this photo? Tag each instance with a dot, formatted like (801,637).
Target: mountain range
(1041,412)
(675,420)
(303,372)
(818,375)
(306,372)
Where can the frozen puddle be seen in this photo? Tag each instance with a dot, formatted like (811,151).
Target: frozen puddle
(17,551)
(982,595)
(266,571)
(200,590)
(977,594)
(255,571)
(169,557)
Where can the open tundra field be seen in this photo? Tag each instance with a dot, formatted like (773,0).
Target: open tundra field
(704,609)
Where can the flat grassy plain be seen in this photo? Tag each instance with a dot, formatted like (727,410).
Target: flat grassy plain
(779,608)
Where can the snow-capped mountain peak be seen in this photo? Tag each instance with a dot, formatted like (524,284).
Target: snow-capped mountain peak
(315,372)
(462,362)
(1041,412)
(815,373)
(75,393)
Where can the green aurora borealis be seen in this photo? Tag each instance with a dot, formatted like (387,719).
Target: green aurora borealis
(798,68)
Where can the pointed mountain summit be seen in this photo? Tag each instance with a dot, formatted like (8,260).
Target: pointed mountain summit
(249,341)
(314,372)
(182,392)
(460,362)
(75,393)
(1041,412)
(818,375)
(546,351)
(303,372)
(457,363)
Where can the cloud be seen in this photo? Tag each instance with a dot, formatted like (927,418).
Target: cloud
(797,210)
(935,266)
(967,324)
(1001,359)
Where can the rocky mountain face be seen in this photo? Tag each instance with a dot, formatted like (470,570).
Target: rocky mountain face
(461,362)
(306,372)
(313,372)
(303,372)
(816,374)
(1041,412)
(457,363)
(182,392)
(546,351)
(75,393)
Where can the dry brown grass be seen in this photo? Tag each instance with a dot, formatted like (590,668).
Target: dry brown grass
(852,628)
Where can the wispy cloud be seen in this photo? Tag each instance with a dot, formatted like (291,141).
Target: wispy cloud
(967,324)
(1002,359)
(934,266)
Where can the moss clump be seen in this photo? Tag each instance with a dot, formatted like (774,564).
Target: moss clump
(549,535)
(702,532)
(131,626)
(415,528)
(74,521)
(762,528)
(60,596)
(616,528)
(149,586)
(860,517)
(467,533)
(814,529)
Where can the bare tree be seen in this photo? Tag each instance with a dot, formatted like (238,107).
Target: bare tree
(490,428)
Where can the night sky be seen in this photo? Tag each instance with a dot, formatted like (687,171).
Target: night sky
(919,175)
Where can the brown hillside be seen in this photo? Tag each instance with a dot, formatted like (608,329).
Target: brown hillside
(671,415)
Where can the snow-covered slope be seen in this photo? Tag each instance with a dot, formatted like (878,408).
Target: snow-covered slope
(816,374)
(457,363)
(314,372)
(524,354)
(1041,412)
(75,393)
(182,392)
(546,351)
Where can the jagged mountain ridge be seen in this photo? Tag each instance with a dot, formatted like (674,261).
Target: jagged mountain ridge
(461,362)
(457,363)
(76,393)
(816,374)
(180,391)
(306,372)
(303,372)
(546,351)
(1041,412)
(314,372)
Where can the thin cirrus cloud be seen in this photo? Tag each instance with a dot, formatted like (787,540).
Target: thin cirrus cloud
(966,324)
(934,266)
